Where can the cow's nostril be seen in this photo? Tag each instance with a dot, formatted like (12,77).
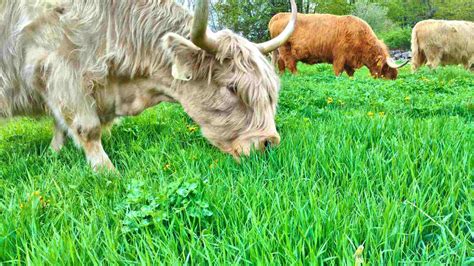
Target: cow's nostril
(267,144)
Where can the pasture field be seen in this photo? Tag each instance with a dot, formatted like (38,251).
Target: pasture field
(386,164)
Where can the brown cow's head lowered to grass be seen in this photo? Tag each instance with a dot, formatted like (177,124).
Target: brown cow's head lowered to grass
(385,67)
(88,62)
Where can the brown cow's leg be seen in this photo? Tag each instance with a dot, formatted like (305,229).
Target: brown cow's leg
(349,70)
(338,66)
(287,59)
(281,65)
(59,137)
(291,64)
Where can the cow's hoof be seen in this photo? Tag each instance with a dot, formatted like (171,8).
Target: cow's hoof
(105,166)
(57,143)
(56,147)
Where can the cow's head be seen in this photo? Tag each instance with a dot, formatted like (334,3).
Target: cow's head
(386,67)
(226,84)
(390,68)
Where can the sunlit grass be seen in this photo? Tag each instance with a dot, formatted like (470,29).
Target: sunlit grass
(386,164)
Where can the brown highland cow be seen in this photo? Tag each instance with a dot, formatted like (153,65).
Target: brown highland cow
(346,42)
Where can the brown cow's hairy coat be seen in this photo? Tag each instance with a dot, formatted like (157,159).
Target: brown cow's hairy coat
(445,42)
(346,42)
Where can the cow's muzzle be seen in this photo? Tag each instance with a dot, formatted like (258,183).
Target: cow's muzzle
(245,146)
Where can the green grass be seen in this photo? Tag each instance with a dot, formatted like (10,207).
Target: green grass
(387,164)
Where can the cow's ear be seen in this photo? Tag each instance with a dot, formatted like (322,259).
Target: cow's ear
(380,61)
(183,53)
(379,67)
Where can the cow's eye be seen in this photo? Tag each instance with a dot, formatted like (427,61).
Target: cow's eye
(232,88)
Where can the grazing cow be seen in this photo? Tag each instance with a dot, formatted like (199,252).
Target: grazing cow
(346,42)
(444,42)
(89,62)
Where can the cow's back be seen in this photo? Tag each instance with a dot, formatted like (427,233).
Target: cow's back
(12,20)
(453,41)
(19,50)
(318,36)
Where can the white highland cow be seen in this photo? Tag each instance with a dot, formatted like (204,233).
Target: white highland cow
(444,42)
(87,62)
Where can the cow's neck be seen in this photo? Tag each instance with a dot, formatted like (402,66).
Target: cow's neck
(130,39)
(375,51)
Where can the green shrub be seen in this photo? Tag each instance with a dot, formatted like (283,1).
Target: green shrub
(374,14)
(398,38)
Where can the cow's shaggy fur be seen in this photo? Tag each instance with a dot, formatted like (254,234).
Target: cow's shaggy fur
(346,42)
(87,62)
(444,42)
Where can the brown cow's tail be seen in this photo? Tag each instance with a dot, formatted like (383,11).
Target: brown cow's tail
(418,56)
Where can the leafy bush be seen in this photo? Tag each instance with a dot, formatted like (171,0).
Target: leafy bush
(398,38)
(374,14)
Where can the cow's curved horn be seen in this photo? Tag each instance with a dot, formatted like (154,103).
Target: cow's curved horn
(200,35)
(279,40)
(391,63)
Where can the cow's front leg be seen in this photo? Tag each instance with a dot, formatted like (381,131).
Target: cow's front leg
(349,70)
(338,66)
(433,60)
(469,66)
(291,64)
(73,104)
(59,137)
(87,132)
(281,65)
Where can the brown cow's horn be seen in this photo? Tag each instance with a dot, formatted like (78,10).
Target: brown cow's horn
(199,33)
(279,40)
(391,63)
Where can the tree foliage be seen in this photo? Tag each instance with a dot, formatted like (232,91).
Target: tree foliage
(250,17)
(374,14)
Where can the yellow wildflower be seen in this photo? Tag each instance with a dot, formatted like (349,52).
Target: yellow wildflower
(329,100)
(36,193)
(192,128)
(44,203)
(22,205)
(342,103)
(407,98)
(167,166)
(213,164)
(370,114)
(381,114)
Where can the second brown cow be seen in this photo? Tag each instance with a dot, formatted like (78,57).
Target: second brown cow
(346,42)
